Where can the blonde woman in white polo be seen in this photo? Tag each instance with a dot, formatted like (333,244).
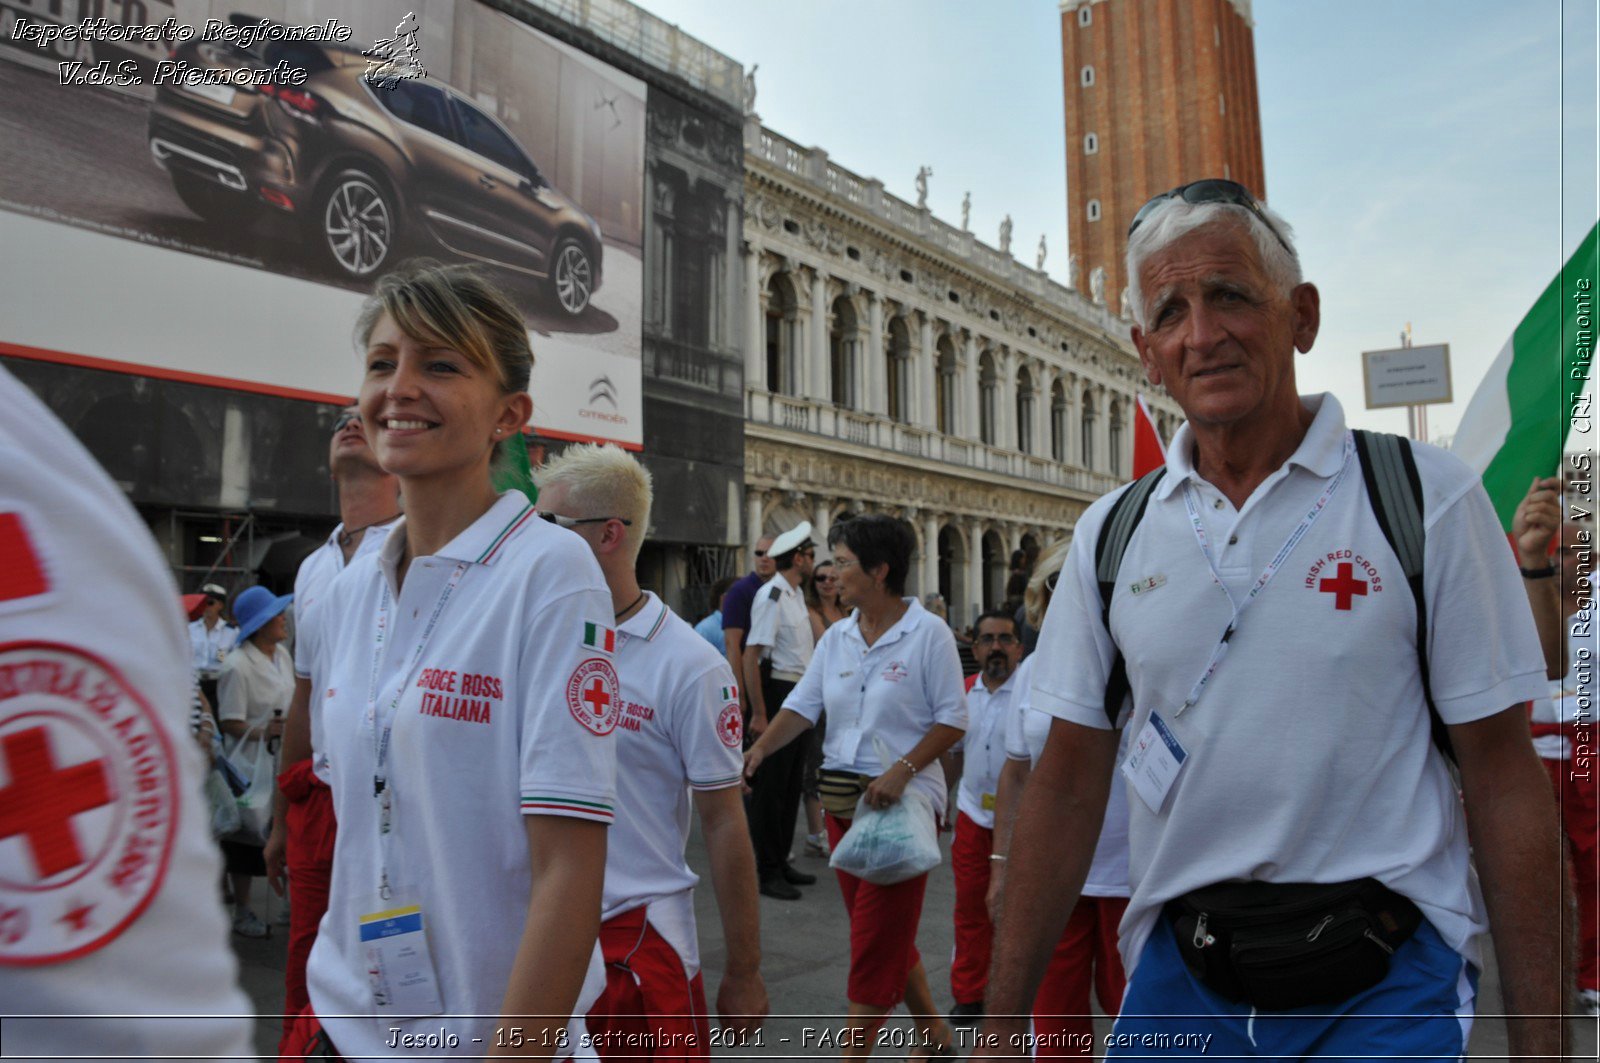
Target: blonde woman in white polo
(464,676)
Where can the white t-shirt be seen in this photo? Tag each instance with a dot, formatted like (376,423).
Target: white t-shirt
(780,622)
(1310,745)
(509,712)
(896,689)
(250,688)
(108,874)
(983,748)
(680,730)
(317,571)
(1026,731)
(208,647)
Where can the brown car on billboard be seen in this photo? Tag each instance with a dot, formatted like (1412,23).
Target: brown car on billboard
(363,165)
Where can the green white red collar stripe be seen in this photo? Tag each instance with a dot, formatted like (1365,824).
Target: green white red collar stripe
(522,517)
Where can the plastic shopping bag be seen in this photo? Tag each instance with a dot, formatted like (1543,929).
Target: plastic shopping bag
(255,762)
(224,807)
(888,845)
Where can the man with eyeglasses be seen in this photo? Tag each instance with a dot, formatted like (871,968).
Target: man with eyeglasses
(1297,843)
(980,754)
(736,619)
(303,825)
(780,634)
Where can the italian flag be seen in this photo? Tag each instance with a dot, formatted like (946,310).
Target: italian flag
(730,693)
(1517,422)
(599,637)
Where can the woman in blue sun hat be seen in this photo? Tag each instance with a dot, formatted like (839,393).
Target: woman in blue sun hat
(253,692)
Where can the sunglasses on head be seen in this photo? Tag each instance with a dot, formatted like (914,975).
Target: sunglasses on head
(1211,190)
(572,522)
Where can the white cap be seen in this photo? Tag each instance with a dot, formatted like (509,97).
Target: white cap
(792,539)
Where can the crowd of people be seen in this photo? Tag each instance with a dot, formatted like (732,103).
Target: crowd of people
(1228,794)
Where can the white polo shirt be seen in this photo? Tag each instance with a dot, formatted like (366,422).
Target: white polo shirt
(108,874)
(896,689)
(680,730)
(209,646)
(317,571)
(1310,746)
(509,712)
(780,622)
(983,748)
(251,687)
(1026,731)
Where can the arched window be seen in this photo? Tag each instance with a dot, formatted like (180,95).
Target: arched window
(897,370)
(844,348)
(1086,425)
(1025,401)
(1058,421)
(1086,76)
(783,336)
(945,388)
(1092,211)
(988,398)
(1091,144)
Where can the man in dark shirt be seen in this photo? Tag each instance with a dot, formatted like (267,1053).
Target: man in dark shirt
(736,616)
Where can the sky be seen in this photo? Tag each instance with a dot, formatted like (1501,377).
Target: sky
(1437,158)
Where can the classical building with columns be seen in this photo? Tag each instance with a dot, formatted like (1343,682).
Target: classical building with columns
(896,363)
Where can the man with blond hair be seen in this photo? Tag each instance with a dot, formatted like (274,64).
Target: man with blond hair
(680,733)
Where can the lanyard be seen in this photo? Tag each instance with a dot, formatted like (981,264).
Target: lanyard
(1266,574)
(382,723)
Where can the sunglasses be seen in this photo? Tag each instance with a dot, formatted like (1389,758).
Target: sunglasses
(1050,581)
(344,421)
(572,522)
(1211,190)
(1003,640)
(827,579)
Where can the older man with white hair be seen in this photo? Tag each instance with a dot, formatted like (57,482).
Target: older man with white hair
(1301,671)
(680,737)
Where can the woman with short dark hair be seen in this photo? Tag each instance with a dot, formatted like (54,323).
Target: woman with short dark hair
(890,672)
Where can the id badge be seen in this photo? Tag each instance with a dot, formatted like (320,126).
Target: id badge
(987,802)
(399,965)
(1153,763)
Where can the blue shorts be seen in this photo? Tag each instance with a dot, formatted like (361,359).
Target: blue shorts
(1421,1010)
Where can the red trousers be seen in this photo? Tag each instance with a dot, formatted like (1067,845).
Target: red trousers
(883,931)
(1087,949)
(1580,816)
(311,829)
(651,1008)
(303,1039)
(969,859)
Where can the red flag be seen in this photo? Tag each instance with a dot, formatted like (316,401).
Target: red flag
(22,574)
(1148,450)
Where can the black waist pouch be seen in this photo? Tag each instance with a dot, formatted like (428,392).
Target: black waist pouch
(1281,945)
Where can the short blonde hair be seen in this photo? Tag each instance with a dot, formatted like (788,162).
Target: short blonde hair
(603,481)
(1037,597)
(456,307)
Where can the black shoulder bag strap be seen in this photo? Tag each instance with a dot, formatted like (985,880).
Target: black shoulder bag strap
(1125,514)
(1395,491)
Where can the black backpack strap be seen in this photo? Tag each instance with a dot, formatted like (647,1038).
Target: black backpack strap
(1395,491)
(1115,534)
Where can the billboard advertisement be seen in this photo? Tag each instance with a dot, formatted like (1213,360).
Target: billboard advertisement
(204,191)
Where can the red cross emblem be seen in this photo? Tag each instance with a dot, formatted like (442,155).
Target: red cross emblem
(1344,587)
(596,697)
(593,695)
(42,799)
(89,795)
(730,725)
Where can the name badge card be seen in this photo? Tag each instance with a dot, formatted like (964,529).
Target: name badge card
(1154,762)
(399,964)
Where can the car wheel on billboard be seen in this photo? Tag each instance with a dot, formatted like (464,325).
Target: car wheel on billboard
(205,198)
(357,224)
(572,276)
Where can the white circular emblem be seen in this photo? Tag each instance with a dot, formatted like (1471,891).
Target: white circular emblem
(88,803)
(594,695)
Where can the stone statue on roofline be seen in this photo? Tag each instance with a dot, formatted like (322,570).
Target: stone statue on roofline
(1005,235)
(923,174)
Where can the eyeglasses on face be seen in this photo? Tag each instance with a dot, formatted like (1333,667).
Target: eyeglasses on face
(573,522)
(842,563)
(344,421)
(1211,190)
(989,640)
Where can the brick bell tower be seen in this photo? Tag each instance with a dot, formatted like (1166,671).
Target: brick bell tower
(1158,93)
